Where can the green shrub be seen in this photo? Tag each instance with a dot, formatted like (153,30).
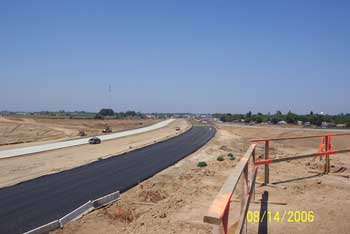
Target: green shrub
(232,158)
(220,159)
(202,164)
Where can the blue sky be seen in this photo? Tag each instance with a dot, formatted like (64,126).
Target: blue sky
(175,56)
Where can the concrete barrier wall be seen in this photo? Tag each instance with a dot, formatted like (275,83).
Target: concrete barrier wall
(77,213)
(106,200)
(45,228)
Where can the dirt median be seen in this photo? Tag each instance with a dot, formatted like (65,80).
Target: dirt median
(20,131)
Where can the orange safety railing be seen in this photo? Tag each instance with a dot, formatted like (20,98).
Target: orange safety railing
(218,212)
(325,149)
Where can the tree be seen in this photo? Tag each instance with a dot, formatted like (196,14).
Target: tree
(259,119)
(106,112)
(98,116)
(291,118)
(278,113)
(275,119)
(130,113)
(248,117)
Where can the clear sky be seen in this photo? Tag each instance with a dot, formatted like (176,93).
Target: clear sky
(175,56)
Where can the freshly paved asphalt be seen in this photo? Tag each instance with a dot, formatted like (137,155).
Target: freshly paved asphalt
(36,202)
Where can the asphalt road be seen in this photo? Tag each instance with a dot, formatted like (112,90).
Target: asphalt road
(42,200)
(64,144)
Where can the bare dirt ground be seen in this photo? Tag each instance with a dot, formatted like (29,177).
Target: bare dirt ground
(18,169)
(19,130)
(175,200)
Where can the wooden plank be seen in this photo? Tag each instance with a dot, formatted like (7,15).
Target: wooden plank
(217,208)
(260,201)
(340,175)
(245,188)
(277,160)
(242,220)
(144,203)
(253,155)
(327,163)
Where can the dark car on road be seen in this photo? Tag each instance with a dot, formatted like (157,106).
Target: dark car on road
(94,140)
(107,129)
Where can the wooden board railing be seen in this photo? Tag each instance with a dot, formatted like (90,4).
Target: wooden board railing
(218,212)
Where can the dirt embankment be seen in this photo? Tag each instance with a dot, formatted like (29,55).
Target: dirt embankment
(16,130)
(175,200)
(18,169)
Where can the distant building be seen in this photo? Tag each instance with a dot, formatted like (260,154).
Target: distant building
(327,125)
(300,122)
(5,113)
(282,122)
(21,113)
(306,124)
(109,117)
(150,116)
(341,125)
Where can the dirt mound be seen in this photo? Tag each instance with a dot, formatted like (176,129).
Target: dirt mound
(225,148)
(122,214)
(149,193)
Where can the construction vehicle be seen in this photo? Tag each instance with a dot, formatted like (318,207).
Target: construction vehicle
(107,129)
(82,133)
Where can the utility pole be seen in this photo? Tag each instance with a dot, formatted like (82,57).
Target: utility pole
(110,96)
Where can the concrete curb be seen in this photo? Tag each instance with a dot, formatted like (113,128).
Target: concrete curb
(77,213)
(45,228)
(106,200)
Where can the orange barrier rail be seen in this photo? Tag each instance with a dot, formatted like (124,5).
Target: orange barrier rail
(218,212)
(277,160)
(325,149)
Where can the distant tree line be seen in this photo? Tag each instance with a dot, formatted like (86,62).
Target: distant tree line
(118,115)
(290,117)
